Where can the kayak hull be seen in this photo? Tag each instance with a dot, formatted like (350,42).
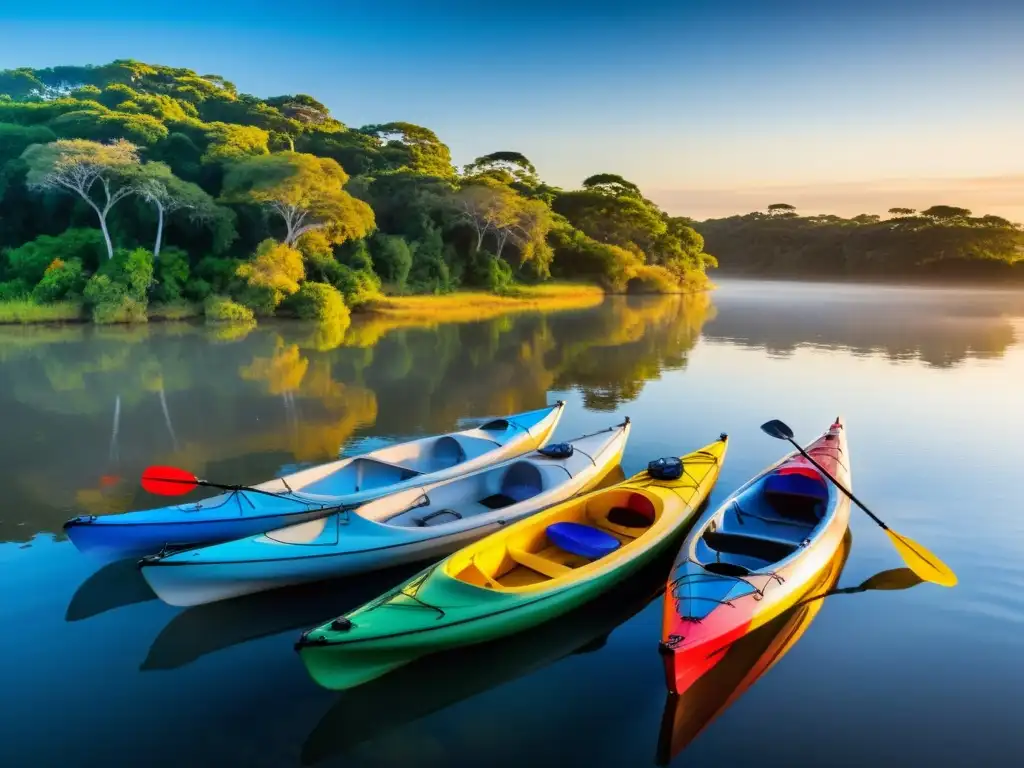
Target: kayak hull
(449,605)
(354,541)
(706,609)
(313,492)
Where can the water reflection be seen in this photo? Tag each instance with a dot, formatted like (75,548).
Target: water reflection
(941,327)
(743,663)
(204,629)
(435,682)
(86,409)
(686,715)
(115,585)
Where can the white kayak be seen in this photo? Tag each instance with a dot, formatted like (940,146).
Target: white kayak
(421,523)
(314,492)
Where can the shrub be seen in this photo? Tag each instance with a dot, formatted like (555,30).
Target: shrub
(320,302)
(275,272)
(219,274)
(111,302)
(197,289)
(392,258)
(133,270)
(493,273)
(356,286)
(62,279)
(652,279)
(431,271)
(171,273)
(220,309)
(14,289)
(30,260)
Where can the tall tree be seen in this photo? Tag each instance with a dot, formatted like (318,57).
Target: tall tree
(79,166)
(781,209)
(901,212)
(486,206)
(304,190)
(158,185)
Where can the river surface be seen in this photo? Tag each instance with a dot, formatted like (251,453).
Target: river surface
(97,672)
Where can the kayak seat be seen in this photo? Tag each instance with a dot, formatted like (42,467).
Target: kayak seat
(446,452)
(583,540)
(522,481)
(796,493)
(767,550)
(638,513)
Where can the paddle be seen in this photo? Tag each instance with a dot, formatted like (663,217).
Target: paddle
(171,481)
(920,560)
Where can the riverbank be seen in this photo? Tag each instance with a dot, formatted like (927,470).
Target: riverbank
(466,306)
(461,306)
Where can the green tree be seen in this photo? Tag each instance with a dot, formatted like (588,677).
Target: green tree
(902,212)
(781,209)
(81,166)
(511,165)
(155,183)
(305,191)
(413,146)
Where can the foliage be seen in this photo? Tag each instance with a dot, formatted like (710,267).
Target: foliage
(274,273)
(14,290)
(220,309)
(216,173)
(109,302)
(30,261)
(392,259)
(171,274)
(320,302)
(62,279)
(304,190)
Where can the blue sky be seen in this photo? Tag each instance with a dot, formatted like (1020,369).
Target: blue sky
(711,107)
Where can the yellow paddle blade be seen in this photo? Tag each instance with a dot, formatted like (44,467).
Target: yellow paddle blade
(921,561)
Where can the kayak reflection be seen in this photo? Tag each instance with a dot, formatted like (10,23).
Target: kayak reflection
(743,663)
(115,585)
(437,681)
(203,629)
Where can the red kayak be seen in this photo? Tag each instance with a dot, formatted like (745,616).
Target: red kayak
(756,556)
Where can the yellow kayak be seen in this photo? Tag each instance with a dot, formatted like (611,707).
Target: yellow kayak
(515,578)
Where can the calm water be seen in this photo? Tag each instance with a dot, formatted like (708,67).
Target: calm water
(98,672)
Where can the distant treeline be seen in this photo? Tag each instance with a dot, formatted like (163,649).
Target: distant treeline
(939,242)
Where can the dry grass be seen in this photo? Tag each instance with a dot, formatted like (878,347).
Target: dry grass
(24,311)
(468,306)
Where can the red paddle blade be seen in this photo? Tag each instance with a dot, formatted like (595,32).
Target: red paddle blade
(168,481)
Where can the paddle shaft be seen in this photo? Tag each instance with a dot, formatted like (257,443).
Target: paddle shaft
(838,485)
(207,484)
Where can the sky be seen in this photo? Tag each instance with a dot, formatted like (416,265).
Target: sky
(712,108)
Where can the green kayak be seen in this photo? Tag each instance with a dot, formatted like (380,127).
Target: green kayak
(515,578)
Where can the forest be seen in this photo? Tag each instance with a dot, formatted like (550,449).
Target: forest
(940,242)
(131,190)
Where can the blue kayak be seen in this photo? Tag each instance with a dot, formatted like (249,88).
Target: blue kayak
(311,493)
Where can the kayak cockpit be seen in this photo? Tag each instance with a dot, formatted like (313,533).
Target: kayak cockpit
(766,523)
(555,545)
